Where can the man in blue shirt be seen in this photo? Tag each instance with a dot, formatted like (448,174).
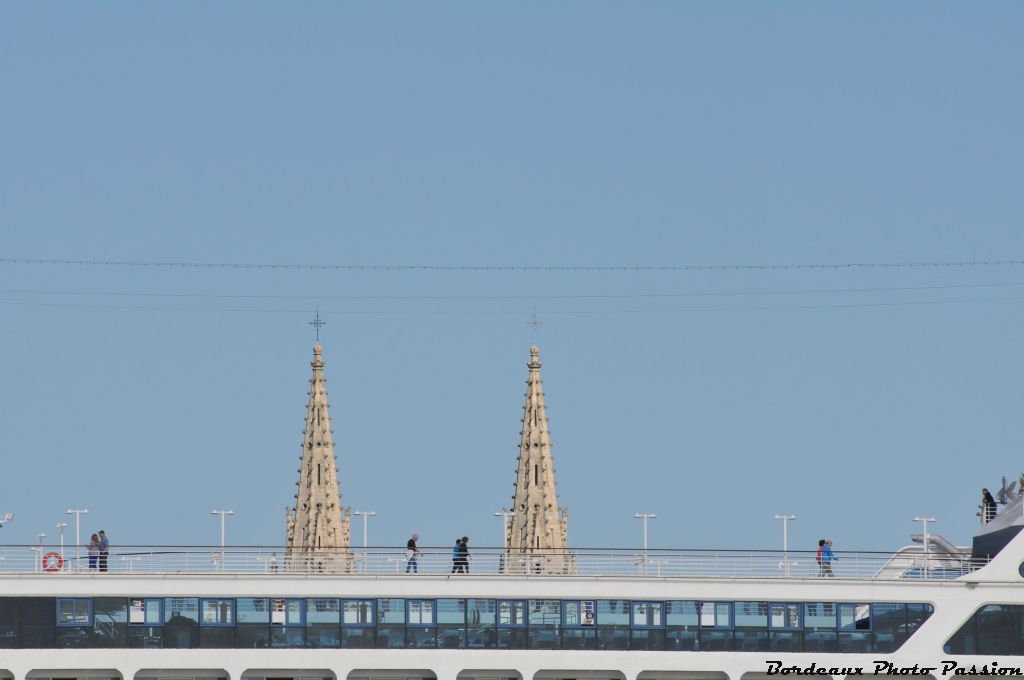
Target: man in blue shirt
(104,550)
(826,559)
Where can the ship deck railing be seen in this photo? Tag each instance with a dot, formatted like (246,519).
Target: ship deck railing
(496,562)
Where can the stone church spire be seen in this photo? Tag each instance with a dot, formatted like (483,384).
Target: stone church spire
(537,530)
(317,534)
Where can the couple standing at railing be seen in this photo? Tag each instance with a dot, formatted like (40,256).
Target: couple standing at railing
(460,555)
(99,550)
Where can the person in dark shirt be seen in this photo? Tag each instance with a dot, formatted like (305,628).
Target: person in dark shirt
(464,555)
(988,506)
(410,554)
(104,549)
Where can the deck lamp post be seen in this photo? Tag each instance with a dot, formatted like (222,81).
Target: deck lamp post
(223,514)
(78,534)
(506,538)
(366,515)
(785,540)
(645,516)
(927,551)
(61,526)
(39,550)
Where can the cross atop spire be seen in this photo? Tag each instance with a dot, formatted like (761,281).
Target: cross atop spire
(534,323)
(317,323)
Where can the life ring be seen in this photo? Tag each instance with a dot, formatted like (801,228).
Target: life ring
(48,562)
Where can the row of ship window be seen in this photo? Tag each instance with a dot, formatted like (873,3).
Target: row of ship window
(244,622)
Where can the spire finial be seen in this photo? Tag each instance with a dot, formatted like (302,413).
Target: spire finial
(317,323)
(534,323)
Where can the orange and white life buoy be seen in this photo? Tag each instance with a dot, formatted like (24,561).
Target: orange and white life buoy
(52,562)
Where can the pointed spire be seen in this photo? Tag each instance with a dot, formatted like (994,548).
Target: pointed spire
(318,527)
(538,528)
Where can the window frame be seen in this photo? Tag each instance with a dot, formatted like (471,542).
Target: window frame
(420,601)
(145,610)
(646,603)
(512,602)
(839,617)
(287,601)
(202,612)
(370,601)
(731,616)
(76,600)
(799,615)
(581,610)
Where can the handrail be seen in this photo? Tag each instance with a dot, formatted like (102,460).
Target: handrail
(652,563)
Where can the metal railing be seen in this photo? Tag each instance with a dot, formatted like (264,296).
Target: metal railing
(653,563)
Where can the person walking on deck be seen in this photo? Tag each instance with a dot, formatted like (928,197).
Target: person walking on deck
(826,559)
(988,506)
(410,554)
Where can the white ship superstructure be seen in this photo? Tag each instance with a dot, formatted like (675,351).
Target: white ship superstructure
(532,609)
(673,614)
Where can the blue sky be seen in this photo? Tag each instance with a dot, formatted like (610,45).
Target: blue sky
(528,134)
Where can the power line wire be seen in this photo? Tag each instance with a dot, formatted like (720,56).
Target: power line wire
(509,268)
(852,305)
(510,298)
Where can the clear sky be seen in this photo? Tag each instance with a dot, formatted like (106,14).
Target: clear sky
(559,134)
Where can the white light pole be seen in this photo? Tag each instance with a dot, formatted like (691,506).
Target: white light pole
(61,526)
(506,538)
(223,514)
(785,540)
(645,516)
(39,551)
(78,534)
(366,515)
(924,521)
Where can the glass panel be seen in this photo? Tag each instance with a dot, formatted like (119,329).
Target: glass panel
(854,617)
(613,612)
(145,637)
(110,622)
(322,610)
(390,637)
(451,611)
(579,638)
(254,635)
(293,614)
(73,612)
(481,616)
(545,613)
(819,615)
(181,622)
(391,610)
(714,614)
(681,613)
(889,623)
(358,612)
(785,641)
(217,637)
(421,637)
(511,612)
(451,636)
(322,635)
(251,610)
(749,615)
(217,612)
(421,612)
(785,616)
(358,638)
(288,636)
(647,640)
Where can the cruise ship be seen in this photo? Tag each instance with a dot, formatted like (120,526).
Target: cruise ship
(532,609)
